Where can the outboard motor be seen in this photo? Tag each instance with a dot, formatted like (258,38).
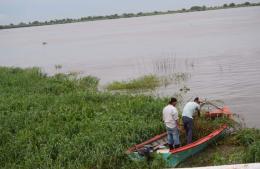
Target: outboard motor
(146,151)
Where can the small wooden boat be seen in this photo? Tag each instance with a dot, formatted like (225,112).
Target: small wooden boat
(217,111)
(158,144)
(175,156)
(220,112)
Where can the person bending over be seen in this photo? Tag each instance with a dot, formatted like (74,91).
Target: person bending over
(189,111)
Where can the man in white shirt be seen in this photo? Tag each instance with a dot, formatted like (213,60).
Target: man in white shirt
(187,117)
(170,118)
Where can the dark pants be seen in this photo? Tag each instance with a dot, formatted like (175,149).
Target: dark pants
(188,123)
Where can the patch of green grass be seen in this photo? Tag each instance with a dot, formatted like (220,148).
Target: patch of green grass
(252,154)
(64,122)
(219,154)
(246,137)
(249,138)
(147,82)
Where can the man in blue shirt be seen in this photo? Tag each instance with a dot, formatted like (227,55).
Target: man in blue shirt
(187,117)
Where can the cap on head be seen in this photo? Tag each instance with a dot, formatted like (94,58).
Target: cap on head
(173,99)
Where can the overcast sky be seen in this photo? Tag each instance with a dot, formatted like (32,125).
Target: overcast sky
(16,11)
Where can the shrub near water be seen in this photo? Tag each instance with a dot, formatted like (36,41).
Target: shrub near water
(61,122)
(142,83)
(249,138)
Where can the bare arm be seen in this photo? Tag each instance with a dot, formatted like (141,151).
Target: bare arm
(198,110)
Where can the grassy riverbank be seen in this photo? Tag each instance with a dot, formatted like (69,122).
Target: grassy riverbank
(65,122)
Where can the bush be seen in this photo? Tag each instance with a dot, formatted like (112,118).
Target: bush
(89,83)
(246,137)
(253,153)
(232,5)
(196,8)
(250,138)
(143,83)
(247,3)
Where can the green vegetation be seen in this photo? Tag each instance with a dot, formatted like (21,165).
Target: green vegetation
(63,121)
(148,82)
(250,138)
(125,15)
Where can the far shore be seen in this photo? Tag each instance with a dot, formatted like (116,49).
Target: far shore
(126,15)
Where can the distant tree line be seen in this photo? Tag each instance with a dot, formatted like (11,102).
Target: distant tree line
(125,15)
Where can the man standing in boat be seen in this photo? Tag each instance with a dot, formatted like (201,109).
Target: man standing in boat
(189,111)
(170,118)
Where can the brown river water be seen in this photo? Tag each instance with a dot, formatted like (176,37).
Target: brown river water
(219,49)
